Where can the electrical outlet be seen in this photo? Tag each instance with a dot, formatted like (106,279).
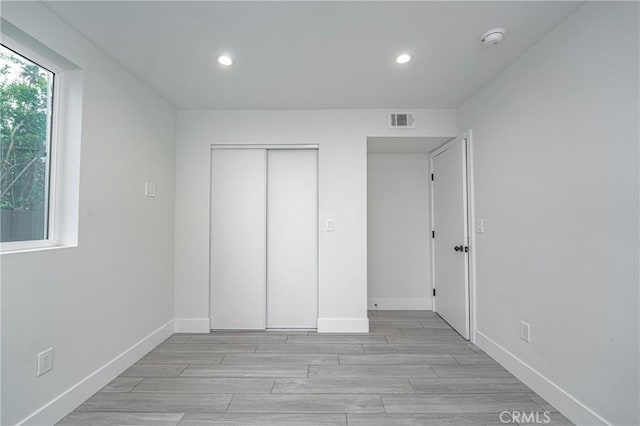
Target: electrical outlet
(480,226)
(330,227)
(45,361)
(149,189)
(525,331)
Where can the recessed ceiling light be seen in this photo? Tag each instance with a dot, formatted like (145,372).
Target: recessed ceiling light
(403,58)
(225,60)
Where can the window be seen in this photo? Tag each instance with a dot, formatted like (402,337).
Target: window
(41,93)
(26,129)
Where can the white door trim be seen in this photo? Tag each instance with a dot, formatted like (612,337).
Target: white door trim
(471,269)
(471,224)
(266,146)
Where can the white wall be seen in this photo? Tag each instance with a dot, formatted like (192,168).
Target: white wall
(342,137)
(93,302)
(398,232)
(556,180)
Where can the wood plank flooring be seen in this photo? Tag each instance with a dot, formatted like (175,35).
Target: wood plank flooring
(411,369)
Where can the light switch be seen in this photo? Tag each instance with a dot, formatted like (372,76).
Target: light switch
(330,227)
(149,189)
(525,331)
(45,362)
(480,226)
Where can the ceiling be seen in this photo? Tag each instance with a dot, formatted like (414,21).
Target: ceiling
(312,55)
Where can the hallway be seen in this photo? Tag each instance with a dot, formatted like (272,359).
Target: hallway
(412,369)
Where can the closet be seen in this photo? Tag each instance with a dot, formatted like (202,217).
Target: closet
(264,237)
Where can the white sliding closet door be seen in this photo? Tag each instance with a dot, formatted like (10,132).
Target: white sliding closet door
(292,239)
(238,238)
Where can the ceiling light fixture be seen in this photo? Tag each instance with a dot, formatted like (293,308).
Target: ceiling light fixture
(403,58)
(493,37)
(225,60)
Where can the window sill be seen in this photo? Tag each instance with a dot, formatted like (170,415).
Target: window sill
(31,246)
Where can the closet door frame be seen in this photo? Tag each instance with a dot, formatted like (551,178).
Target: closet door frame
(267,147)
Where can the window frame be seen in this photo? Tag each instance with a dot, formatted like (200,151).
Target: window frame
(51,219)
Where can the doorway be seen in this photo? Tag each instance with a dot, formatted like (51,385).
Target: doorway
(451,238)
(398,226)
(263,237)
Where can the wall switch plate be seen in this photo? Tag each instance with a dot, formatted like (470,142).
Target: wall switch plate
(149,189)
(480,226)
(45,361)
(330,227)
(525,331)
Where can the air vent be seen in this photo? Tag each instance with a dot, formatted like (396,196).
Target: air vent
(402,120)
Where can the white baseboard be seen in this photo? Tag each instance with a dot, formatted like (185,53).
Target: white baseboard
(400,304)
(67,401)
(569,406)
(343,325)
(192,325)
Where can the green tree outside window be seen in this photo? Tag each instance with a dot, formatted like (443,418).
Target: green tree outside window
(25,123)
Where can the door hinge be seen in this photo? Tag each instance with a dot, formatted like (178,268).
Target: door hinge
(433,234)
(434,291)
(432,176)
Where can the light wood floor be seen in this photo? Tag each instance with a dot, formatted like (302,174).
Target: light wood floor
(412,369)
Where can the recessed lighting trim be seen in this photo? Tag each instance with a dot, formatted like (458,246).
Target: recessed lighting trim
(225,60)
(403,58)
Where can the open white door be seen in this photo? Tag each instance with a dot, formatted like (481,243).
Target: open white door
(450,222)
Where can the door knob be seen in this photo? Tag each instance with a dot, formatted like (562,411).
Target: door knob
(458,248)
